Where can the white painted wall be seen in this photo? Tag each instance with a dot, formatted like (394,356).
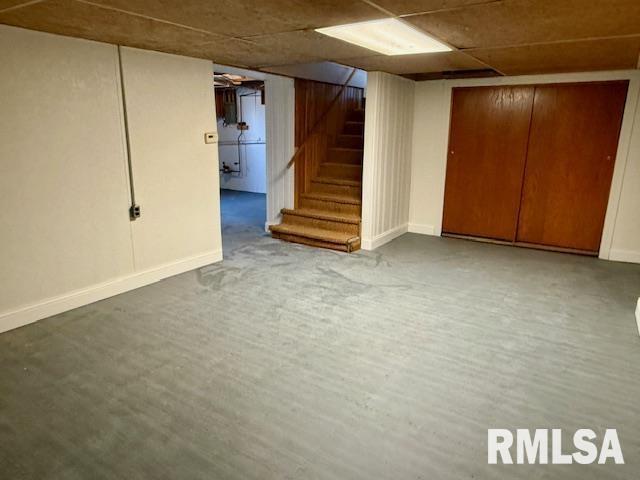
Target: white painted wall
(625,241)
(387,158)
(65,236)
(253,152)
(63,186)
(280,121)
(621,236)
(170,104)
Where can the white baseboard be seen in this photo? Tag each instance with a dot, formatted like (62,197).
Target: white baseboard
(624,256)
(381,239)
(423,229)
(78,298)
(638,315)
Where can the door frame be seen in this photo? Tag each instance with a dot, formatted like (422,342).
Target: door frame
(624,141)
(279,133)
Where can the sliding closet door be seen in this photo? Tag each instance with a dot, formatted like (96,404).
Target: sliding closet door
(572,148)
(487,152)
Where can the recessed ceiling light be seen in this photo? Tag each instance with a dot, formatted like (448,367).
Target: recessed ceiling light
(389,36)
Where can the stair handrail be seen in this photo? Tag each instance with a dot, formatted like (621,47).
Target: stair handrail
(320,120)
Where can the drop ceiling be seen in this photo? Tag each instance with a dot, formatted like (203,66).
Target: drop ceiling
(488,36)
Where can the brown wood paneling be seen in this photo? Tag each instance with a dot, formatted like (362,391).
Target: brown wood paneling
(486,158)
(311,101)
(572,149)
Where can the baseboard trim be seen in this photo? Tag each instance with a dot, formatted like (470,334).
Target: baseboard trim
(386,237)
(624,256)
(422,229)
(638,315)
(78,298)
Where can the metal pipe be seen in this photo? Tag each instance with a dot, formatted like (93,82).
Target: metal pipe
(134,209)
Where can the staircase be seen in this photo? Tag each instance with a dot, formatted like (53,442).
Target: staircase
(328,214)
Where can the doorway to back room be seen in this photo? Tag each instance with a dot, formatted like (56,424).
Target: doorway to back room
(240,114)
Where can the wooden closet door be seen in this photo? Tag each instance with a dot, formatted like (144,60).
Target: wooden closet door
(572,149)
(486,158)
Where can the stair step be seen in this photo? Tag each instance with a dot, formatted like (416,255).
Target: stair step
(322,215)
(348,155)
(331,238)
(314,218)
(328,197)
(337,181)
(354,127)
(340,170)
(337,186)
(350,141)
(356,115)
(331,203)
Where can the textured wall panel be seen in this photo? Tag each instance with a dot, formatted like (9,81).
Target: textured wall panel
(387,158)
(280,101)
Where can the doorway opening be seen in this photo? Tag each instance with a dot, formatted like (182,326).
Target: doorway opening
(240,116)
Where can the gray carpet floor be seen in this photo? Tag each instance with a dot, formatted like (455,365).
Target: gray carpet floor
(288,362)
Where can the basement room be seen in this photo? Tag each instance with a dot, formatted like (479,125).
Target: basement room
(329,239)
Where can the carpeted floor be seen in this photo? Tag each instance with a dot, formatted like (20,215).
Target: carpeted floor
(288,362)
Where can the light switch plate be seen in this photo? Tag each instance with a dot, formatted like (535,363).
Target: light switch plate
(211,137)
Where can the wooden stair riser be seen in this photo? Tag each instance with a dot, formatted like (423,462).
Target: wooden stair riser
(347,190)
(353,228)
(337,170)
(345,155)
(356,115)
(350,141)
(354,128)
(330,206)
(316,243)
(328,210)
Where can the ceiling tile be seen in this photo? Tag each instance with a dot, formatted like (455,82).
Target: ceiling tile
(519,22)
(242,53)
(421,63)
(67,17)
(407,7)
(311,43)
(581,56)
(4,4)
(237,18)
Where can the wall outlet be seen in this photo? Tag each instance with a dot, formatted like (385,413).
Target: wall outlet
(211,137)
(135,212)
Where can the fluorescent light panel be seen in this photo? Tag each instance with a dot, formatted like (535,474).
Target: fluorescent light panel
(389,36)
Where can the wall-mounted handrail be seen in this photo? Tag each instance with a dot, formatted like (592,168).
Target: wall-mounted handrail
(320,119)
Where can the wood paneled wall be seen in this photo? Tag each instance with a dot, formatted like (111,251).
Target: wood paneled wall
(312,100)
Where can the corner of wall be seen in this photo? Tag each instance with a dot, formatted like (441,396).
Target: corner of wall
(387,158)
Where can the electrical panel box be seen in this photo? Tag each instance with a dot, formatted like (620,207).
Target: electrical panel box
(230,107)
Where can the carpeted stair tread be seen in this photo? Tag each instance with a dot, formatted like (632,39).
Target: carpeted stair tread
(329,205)
(337,181)
(321,234)
(347,149)
(322,215)
(328,197)
(345,165)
